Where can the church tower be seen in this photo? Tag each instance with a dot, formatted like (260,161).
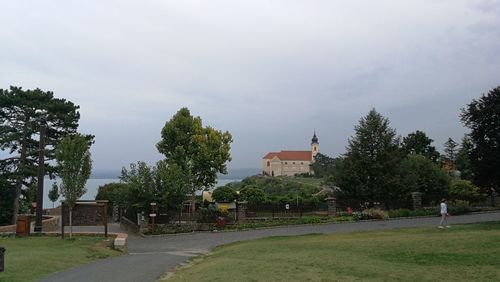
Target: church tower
(314,146)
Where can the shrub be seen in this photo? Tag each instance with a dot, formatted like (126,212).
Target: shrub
(464,190)
(459,207)
(224,194)
(370,214)
(208,214)
(400,213)
(309,220)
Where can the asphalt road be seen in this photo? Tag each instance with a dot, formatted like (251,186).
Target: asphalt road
(151,257)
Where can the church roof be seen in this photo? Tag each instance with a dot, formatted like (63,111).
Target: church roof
(290,155)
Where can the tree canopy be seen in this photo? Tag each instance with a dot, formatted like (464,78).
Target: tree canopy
(75,163)
(199,152)
(21,114)
(418,143)
(369,166)
(482,116)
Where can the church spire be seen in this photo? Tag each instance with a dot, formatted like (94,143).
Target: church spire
(314,140)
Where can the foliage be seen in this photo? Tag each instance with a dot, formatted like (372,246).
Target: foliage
(21,114)
(198,152)
(457,207)
(370,214)
(482,116)
(163,184)
(224,194)
(73,158)
(462,161)
(418,143)
(464,190)
(419,174)
(450,150)
(280,190)
(209,214)
(54,193)
(369,168)
(7,192)
(253,195)
(411,213)
(323,165)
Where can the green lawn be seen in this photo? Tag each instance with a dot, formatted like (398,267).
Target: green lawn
(461,253)
(30,258)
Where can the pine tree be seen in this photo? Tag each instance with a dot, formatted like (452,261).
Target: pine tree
(370,166)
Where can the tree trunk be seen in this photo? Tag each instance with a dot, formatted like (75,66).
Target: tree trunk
(20,171)
(70,222)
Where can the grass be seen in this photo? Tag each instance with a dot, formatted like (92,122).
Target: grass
(31,258)
(461,253)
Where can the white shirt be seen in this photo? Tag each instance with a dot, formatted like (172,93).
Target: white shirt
(444,208)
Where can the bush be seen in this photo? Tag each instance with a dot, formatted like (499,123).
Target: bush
(208,214)
(409,213)
(464,190)
(459,207)
(400,213)
(224,194)
(370,214)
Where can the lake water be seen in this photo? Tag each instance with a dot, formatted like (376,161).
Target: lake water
(93,184)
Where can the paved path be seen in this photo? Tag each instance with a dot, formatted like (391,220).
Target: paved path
(151,257)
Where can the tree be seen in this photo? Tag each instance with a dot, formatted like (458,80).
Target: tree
(224,194)
(462,161)
(464,190)
(74,160)
(418,143)
(369,169)
(142,189)
(323,165)
(482,116)
(163,184)
(54,194)
(419,174)
(22,112)
(450,150)
(199,152)
(253,195)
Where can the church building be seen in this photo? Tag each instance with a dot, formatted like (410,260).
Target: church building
(290,163)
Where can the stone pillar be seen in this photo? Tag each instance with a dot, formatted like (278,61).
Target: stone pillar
(417,200)
(332,206)
(242,211)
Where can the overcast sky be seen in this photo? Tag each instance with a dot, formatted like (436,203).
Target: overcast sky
(270,72)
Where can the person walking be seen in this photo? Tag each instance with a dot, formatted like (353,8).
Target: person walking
(444,214)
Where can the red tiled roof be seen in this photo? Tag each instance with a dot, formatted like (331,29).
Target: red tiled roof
(290,155)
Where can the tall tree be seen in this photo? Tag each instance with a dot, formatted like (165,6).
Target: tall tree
(73,157)
(482,116)
(462,161)
(450,150)
(418,143)
(369,172)
(22,112)
(199,152)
